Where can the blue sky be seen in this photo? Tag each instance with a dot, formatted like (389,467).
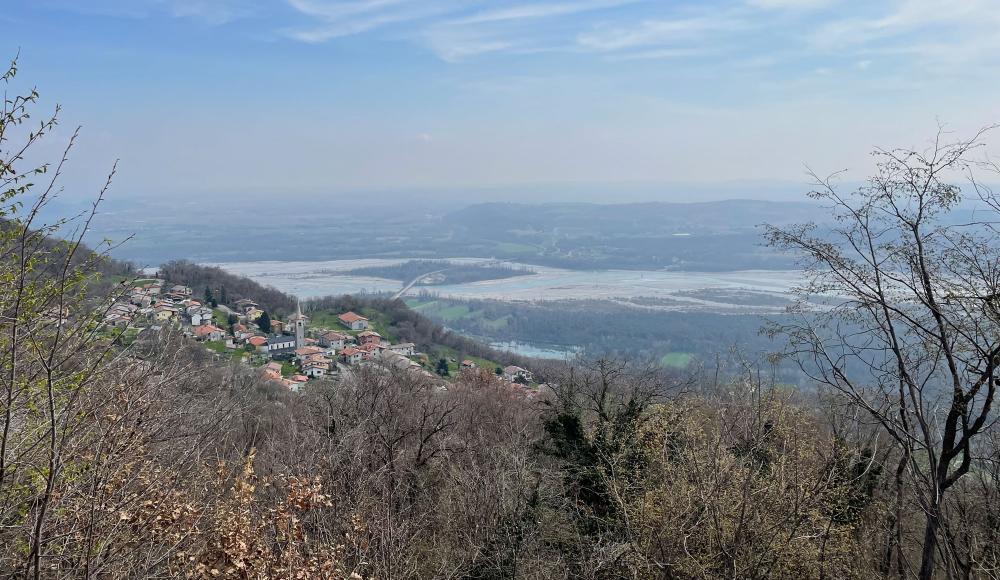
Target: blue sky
(229,97)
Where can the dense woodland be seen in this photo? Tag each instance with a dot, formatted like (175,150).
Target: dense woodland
(603,328)
(152,461)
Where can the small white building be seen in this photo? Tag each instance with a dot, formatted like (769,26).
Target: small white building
(513,373)
(280,342)
(353,321)
(404,348)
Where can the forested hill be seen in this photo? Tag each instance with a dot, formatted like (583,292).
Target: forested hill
(47,240)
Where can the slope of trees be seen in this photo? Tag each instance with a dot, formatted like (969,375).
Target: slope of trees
(216,280)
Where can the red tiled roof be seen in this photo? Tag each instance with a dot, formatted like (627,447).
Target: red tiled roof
(350,317)
(205,329)
(257,340)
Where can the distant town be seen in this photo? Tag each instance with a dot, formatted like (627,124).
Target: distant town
(290,352)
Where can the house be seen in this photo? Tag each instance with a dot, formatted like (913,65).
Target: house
(315,371)
(316,366)
(517,374)
(369,337)
(164,313)
(245,304)
(468,364)
(404,348)
(332,340)
(199,315)
(277,326)
(208,332)
(253,314)
(307,351)
(140,299)
(272,370)
(117,320)
(258,342)
(316,358)
(180,290)
(353,321)
(400,362)
(352,355)
(372,349)
(280,344)
(241,333)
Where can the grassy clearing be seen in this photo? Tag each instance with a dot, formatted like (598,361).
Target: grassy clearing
(420,305)
(219,347)
(378,321)
(676,360)
(446,311)
(455,367)
(455,312)
(220,318)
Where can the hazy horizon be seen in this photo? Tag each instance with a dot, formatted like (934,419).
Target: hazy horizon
(571,99)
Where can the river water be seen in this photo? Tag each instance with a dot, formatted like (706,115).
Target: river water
(680,291)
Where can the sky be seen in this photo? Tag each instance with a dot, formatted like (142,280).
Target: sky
(593,99)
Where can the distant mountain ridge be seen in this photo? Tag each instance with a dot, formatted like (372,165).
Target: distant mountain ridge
(712,236)
(633,218)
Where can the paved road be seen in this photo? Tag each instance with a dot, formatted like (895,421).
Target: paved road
(406,288)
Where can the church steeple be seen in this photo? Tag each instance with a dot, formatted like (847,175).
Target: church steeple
(300,325)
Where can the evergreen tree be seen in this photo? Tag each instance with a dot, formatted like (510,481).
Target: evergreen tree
(264,322)
(442,367)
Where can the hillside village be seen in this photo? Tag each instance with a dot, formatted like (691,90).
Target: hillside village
(290,352)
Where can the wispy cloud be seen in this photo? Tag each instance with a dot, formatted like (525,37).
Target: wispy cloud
(661,54)
(790,4)
(340,19)
(936,36)
(636,30)
(535,11)
(211,12)
(655,32)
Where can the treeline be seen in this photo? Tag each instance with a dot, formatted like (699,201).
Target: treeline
(604,328)
(450,272)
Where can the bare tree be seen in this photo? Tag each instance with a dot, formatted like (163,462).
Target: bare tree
(900,314)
